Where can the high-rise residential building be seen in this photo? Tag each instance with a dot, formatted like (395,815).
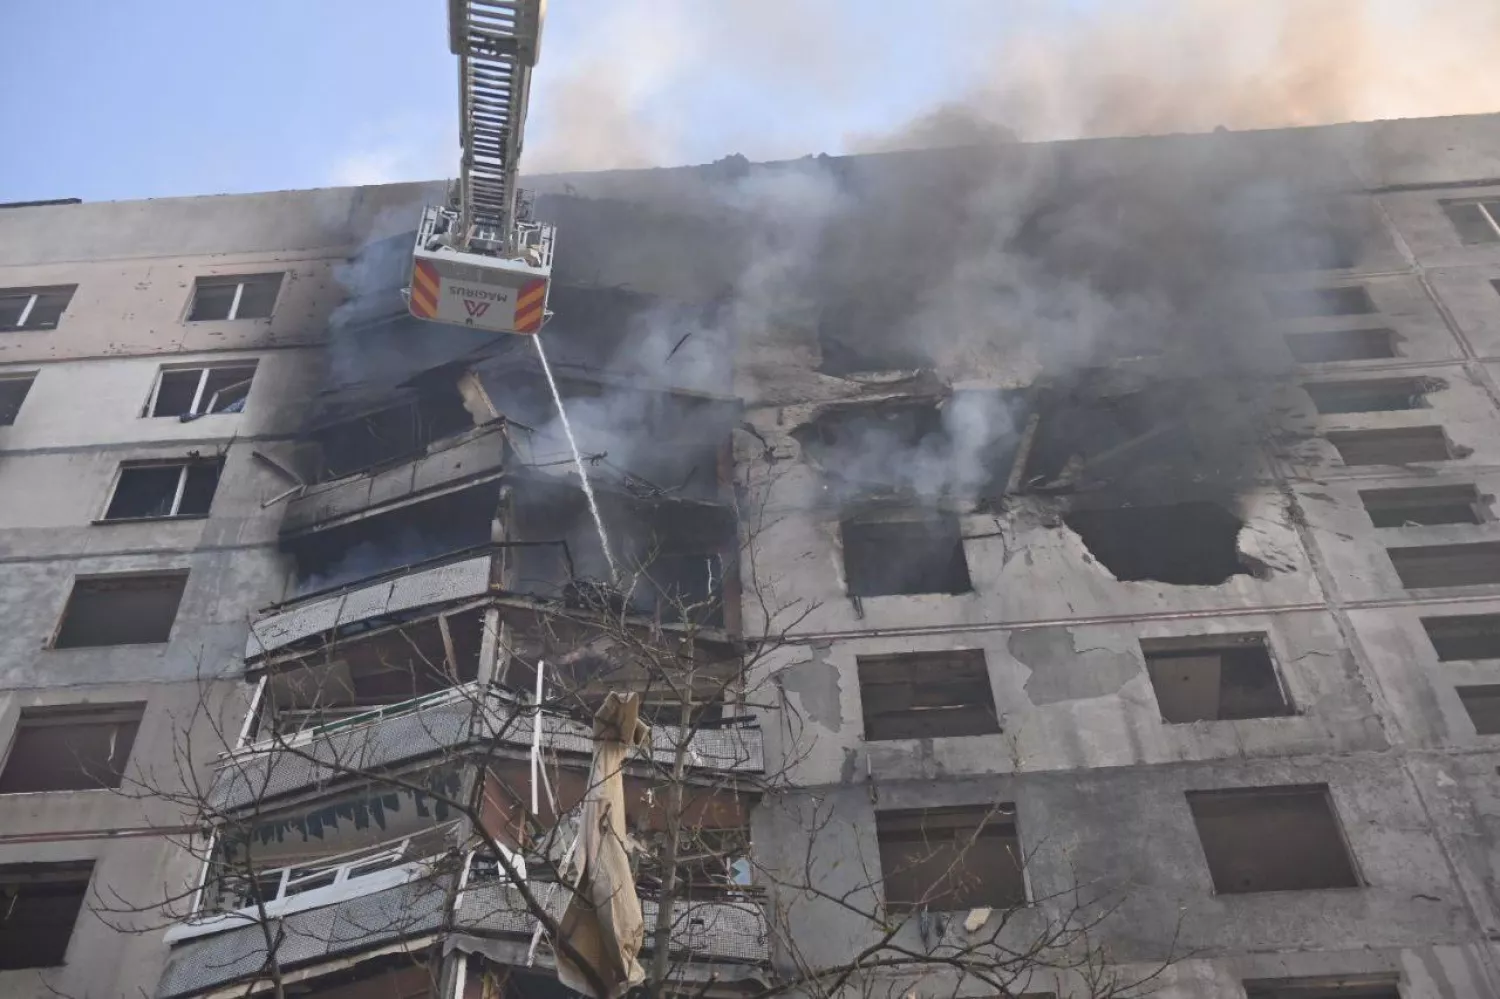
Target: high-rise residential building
(1035,564)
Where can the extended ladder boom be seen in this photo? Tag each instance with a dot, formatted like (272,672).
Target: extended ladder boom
(496,42)
(482,261)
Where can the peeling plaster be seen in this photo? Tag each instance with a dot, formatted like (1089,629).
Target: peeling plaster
(815,681)
(1062,671)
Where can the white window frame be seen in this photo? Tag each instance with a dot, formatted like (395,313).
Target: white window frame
(239,292)
(34,297)
(182,464)
(1487,215)
(197,408)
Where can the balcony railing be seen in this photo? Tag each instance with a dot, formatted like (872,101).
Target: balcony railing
(440,723)
(392,594)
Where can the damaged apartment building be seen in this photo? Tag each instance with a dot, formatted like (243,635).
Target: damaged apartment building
(1036,564)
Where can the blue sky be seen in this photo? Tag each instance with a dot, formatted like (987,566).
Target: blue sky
(111,99)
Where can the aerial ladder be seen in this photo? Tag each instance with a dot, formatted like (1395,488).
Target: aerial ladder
(481,260)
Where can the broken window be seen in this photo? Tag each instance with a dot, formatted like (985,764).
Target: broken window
(1447,565)
(242,296)
(396,538)
(392,434)
(1340,987)
(1395,446)
(164,489)
(951,858)
(1341,345)
(1214,678)
(1422,505)
(682,588)
(33,308)
(189,392)
(1464,636)
(13,391)
(1298,303)
(1476,221)
(926,695)
(120,610)
(1188,544)
(917,553)
(1483,705)
(359,673)
(1369,396)
(70,748)
(1272,839)
(39,903)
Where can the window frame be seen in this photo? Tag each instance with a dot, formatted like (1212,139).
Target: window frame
(79,713)
(1161,650)
(183,465)
(1001,816)
(29,377)
(35,292)
(197,411)
(1323,792)
(1483,205)
(70,872)
(240,280)
(94,579)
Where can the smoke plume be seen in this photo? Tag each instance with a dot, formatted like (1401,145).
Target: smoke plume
(647,82)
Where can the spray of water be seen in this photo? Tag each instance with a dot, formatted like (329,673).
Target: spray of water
(583,475)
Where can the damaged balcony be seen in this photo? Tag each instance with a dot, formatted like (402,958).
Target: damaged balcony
(352,870)
(467,720)
(465,423)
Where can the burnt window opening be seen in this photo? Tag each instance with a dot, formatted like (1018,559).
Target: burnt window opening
(1476,221)
(1091,431)
(1341,345)
(13,392)
(187,393)
(1482,702)
(120,610)
(39,904)
(1447,565)
(1338,987)
(394,539)
(963,444)
(1301,303)
(1464,636)
(910,555)
(1214,678)
(681,588)
(397,433)
(1394,446)
(1186,544)
(1423,505)
(1272,839)
(166,489)
(25,309)
(951,858)
(926,695)
(241,296)
(70,748)
(1369,396)
(359,673)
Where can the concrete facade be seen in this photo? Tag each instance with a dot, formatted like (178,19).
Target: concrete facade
(1097,777)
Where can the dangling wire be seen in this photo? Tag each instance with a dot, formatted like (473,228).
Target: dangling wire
(583,475)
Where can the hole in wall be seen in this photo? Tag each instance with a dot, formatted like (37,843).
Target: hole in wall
(1188,544)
